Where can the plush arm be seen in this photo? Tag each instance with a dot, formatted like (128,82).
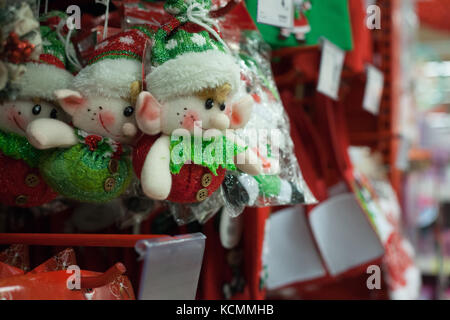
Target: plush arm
(248,162)
(156,179)
(50,133)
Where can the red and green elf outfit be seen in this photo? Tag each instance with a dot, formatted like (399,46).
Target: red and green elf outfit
(194,178)
(21,182)
(188,49)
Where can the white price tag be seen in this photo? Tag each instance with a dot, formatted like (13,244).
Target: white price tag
(278,13)
(374,90)
(331,65)
(402,160)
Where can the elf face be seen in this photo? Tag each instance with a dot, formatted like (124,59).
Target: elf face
(16,115)
(208,109)
(107,117)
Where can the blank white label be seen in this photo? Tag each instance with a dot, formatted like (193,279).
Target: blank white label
(278,13)
(344,234)
(291,254)
(374,90)
(330,69)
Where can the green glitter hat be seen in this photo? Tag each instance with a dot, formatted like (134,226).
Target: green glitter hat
(188,54)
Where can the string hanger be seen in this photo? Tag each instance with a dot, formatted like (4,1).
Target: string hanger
(198,14)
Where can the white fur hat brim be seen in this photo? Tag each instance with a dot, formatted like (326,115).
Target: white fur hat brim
(192,72)
(40,80)
(108,78)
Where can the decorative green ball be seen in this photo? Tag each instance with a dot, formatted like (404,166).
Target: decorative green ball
(83,175)
(269,185)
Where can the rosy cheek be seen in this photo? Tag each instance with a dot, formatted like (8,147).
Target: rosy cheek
(189,119)
(235,118)
(107,118)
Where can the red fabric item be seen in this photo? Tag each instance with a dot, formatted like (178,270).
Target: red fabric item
(15,191)
(362,44)
(254,232)
(129,43)
(312,155)
(52,60)
(140,151)
(352,288)
(435,13)
(187,182)
(217,271)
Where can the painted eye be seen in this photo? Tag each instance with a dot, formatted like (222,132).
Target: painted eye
(222,107)
(36,109)
(128,111)
(209,103)
(53,113)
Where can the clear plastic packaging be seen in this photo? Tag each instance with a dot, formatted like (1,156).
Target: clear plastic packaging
(282,182)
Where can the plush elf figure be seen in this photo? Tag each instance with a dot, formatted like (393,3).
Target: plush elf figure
(22,184)
(192,87)
(301,24)
(90,161)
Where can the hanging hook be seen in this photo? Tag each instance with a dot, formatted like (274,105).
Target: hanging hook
(105,26)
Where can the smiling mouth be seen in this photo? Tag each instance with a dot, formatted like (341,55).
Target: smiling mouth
(17,124)
(104,127)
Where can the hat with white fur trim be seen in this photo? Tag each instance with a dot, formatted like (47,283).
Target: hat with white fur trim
(188,54)
(43,77)
(114,65)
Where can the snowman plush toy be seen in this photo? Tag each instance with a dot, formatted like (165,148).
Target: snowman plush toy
(20,178)
(89,161)
(192,104)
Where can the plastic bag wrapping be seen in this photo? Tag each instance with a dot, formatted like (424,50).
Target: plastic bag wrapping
(270,123)
(282,182)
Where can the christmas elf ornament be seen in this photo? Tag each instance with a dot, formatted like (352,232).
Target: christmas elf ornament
(193,91)
(90,163)
(21,182)
(20,42)
(301,25)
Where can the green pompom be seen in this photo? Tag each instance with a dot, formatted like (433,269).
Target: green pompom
(83,175)
(269,185)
